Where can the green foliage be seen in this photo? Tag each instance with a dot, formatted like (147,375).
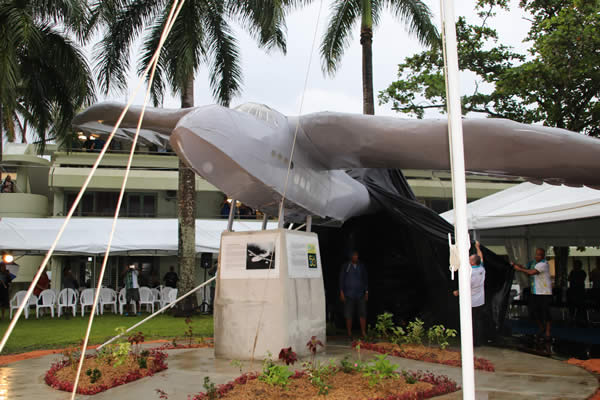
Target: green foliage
(379,369)
(94,375)
(439,335)
(415,332)
(319,374)
(397,335)
(557,83)
(276,375)
(384,325)
(345,14)
(348,366)
(44,76)
(142,362)
(210,389)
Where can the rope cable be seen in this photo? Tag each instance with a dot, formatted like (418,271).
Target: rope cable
(289,168)
(259,320)
(169,24)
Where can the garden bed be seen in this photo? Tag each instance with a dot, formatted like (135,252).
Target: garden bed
(200,343)
(61,375)
(352,385)
(423,353)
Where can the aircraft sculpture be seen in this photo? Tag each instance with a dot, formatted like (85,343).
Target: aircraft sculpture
(245,151)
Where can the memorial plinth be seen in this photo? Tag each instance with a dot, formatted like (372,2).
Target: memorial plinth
(269,295)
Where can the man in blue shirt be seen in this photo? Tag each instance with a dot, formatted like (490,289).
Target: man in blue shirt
(354,292)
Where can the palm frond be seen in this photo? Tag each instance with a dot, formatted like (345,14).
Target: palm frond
(418,19)
(225,72)
(112,52)
(264,20)
(344,15)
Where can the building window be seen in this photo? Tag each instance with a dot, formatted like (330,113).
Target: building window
(103,204)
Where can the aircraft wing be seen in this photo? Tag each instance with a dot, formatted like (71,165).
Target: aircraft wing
(157,125)
(492,146)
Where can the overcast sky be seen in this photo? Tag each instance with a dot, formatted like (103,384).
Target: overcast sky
(278,80)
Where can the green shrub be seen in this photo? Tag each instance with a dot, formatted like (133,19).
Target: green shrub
(379,369)
(384,325)
(415,332)
(439,335)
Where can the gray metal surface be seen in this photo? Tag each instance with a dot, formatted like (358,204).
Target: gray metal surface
(244,152)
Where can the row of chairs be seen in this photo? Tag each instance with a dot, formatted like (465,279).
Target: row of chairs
(71,298)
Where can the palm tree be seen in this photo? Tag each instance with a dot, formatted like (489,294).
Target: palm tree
(44,77)
(201,35)
(345,14)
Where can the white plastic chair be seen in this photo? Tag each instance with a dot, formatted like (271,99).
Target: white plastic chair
(108,297)
(86,299)
(17,300)
(67,298)
(169,297)
(156,296)
(122,301)
(48,300)
(146,298)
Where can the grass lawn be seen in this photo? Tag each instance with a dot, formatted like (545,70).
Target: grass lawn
(49,333)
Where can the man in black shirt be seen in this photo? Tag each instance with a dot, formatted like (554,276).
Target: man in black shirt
(171,278)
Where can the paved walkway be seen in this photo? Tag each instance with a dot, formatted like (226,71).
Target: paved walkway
(518,376)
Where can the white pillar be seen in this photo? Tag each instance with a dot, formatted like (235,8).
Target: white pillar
(457,159)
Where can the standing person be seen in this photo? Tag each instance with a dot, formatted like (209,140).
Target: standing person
(477,296)
(132,289)
(354,293)
(595,279)
(576,293)
(42,284)
(69,281)
(171,278)
(540,282)
(5,279)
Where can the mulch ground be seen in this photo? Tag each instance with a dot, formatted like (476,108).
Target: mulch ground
(61,375)
(344,386)
(424,353)
(593,366)
(11,358)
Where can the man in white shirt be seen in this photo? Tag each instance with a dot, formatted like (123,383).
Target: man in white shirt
(132,289)
(477,296)
(540,282)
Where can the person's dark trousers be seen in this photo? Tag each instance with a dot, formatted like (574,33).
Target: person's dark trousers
(479,325)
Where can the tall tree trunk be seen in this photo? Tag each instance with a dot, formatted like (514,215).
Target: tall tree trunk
(1,134)
(186,216)
(366,41)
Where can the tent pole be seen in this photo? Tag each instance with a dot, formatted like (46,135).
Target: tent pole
(308,223)
(459,194)
(231,215)
(264,221)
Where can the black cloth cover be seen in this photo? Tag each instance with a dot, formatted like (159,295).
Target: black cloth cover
(405,247)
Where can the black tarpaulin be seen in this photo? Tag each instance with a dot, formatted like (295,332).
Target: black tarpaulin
(405,247)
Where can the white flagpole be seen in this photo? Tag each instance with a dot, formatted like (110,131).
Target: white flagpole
(459,194)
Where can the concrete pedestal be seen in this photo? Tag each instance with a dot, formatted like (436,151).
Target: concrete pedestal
(270,294)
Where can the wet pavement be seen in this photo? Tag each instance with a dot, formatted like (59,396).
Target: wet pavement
(518,376)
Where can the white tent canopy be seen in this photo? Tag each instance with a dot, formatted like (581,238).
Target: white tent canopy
(529,204)
(536,216)
(90,235)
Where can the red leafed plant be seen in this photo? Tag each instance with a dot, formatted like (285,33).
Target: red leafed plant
(288,356)
(313,345)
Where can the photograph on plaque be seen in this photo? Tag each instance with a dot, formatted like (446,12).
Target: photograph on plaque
(312,256)
(260,255)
